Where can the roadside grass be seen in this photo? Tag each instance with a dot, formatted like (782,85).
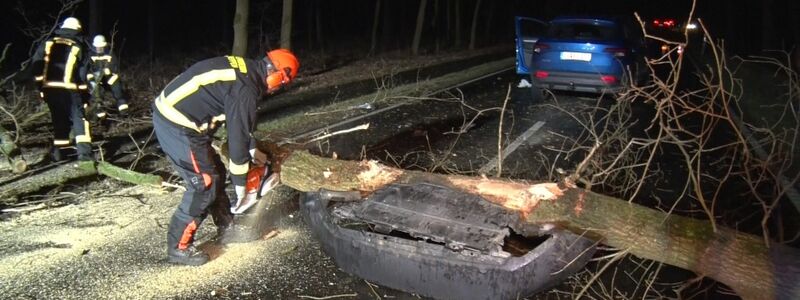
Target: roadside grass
(384,95)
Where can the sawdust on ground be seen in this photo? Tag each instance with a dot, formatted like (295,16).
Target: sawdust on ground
(111,246)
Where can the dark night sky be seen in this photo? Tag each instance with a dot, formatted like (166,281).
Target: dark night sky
(203,27)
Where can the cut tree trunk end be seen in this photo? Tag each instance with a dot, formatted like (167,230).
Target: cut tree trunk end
(12,153)
(736,259)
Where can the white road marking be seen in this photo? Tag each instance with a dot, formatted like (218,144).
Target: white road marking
(512,147)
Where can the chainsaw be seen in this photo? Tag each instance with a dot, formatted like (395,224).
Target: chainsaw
(260,180)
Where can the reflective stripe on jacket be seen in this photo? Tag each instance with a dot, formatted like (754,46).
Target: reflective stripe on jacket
(62,61)
(216,90)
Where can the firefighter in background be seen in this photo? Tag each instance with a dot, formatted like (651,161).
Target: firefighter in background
(186,114)
(104,75)
(62,62)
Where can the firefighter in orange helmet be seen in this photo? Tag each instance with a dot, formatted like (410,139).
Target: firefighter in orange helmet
(186,113)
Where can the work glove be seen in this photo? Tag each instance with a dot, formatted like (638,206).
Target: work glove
(241,193)
(258,158)
(245,198)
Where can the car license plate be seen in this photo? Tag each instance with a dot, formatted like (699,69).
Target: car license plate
(576,56)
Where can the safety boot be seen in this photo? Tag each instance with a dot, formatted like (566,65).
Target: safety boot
(85,152)
(56,155)
(189,256)
(234,233)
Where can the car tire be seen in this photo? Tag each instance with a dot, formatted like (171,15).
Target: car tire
(537,94)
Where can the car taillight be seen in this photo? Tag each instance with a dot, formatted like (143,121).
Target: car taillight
(608,79)
(539,47)
(617,52)
(665,23)
(541,74)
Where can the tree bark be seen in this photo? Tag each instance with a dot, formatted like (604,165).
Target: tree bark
(286,25)
(320,40)
(69,172)
(11,152)
(151,30)
(457,26)
(240,20)
(739,260)
(95,17)
(474,25)
(436,28)
(768,36)
(418,29)
(375,21)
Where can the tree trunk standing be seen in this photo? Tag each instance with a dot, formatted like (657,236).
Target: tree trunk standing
(487,28)
(310,7)
(768,33)
(286,25)
(474,25)
(151,30)
(794,26)
(436,28)
(240,19)
(95,17)
(739,260)
(457,12)
(447,20)
(418,29)
(320,41)
(375,21)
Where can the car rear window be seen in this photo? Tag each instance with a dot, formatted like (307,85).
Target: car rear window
(529,28)
(583,31)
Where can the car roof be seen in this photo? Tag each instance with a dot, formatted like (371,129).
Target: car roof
(603,19)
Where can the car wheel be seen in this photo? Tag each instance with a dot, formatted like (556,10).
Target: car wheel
(537,94)
(625,84)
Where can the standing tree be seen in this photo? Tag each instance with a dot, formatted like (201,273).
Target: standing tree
(151,30)
(286,25)
(418,29)
(95,17)
(474,25)
(457,12)
(375,21)
(240,27)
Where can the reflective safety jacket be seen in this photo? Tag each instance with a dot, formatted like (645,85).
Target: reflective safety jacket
(222,89)
(103,68)
(61,61)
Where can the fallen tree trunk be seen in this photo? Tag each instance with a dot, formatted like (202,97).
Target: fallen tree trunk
(9,149)
(739,260)
(61,174)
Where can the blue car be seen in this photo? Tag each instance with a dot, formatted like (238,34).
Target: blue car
(587,54)
(528,32)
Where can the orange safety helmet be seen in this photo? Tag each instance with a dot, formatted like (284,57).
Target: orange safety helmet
(281,70)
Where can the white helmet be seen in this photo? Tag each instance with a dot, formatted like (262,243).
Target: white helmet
(71,23)
(99,41)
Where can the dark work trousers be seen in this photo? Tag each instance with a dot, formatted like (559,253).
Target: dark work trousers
(116,91)
(66,112)
(204,176)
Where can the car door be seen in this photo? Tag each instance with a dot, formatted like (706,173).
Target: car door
(528,31)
